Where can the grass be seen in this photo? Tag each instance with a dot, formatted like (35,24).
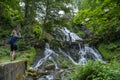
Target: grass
(4,59)
(27,55)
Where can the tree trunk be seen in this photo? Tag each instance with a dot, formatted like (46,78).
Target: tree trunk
(1,11)
(44,22)
(26,8)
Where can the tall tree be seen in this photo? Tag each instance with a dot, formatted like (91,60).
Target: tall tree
(48,11)
(10,12)
(101,17)
(29,11)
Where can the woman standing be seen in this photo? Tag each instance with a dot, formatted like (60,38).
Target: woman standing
(13,42)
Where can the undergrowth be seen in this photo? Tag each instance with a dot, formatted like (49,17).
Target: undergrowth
(110,51)
(96,71)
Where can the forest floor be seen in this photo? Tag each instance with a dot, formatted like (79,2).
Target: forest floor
(27,55)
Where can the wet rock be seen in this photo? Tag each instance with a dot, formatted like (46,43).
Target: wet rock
(59,74)
(14,70)
(50,67)
(41,79)
(29,78)
(36,73)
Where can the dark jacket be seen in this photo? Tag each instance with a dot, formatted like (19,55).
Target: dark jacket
(14,39)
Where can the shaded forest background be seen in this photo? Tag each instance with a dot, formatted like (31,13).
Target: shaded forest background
(97,21)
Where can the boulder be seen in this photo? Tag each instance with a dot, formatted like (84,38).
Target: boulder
(14,70)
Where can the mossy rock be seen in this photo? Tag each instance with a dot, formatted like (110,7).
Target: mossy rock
(20,76)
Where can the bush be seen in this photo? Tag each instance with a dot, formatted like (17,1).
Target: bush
(109,51)
(28,55)
(4,51)
(112,46)
(96,71)
(22,46)
(4,33)
(37,30)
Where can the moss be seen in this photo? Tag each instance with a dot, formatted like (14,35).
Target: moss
(47,37)
(20,76)
(64,64)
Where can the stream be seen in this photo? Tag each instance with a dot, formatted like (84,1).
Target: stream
(68,51)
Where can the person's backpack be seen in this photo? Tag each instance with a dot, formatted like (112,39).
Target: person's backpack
(11,39)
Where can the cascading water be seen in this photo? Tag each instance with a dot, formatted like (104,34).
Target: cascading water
(77,53)
(48,56)
(83,51)
(66,35)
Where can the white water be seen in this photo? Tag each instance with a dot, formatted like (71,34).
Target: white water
(67,35)
(93,52)
(83,51)
(48,56)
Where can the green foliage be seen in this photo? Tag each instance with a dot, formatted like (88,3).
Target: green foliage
(10,14)
(64,64)
(112,46)
(4,33)
(22,45)
(81,34)
(96,71)
(103,19)
(51,16)
(37,30)
(47,37)
(110,51)
(28,55)
(92,4)
(4,51)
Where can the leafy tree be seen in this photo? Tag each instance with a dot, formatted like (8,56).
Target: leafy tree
(29,11)
(48,12)
(102,18)
(10,12)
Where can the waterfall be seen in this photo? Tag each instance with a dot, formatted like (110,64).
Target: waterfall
(75,52)
(48,56)
(75,6)
(93,52)
(83,49)
(66,35)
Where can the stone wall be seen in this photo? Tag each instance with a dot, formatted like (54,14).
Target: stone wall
(14,70)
